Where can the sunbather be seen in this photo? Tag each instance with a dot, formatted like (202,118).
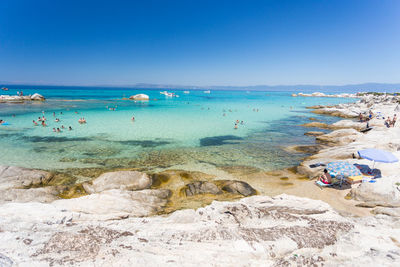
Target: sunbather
(325,177)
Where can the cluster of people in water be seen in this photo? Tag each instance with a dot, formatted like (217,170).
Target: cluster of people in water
(42,121)
(237,123)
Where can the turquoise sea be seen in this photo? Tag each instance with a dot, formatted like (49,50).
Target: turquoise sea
(192,131)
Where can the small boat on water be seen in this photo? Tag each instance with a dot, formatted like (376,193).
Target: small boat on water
(207,92)
(186,92)
(4,88)
(169,94)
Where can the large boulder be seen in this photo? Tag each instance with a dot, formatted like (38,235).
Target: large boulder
(384,192)
(17,177)
(122,202)
(139,97)
(124,180)
(238,187)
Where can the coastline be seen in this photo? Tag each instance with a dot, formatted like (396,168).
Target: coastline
(164,193)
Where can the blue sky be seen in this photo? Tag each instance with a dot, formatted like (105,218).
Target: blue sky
(200,42)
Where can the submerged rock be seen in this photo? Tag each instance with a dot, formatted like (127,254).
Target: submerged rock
(201,187)
(124,180)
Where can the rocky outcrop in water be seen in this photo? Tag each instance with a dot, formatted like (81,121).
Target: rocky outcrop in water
(20,99)
(139,97)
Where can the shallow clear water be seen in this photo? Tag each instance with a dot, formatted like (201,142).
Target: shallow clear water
(194,128)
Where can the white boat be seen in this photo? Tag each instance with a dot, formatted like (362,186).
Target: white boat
(4,88)
(167,94)
(186,92)
(207,92)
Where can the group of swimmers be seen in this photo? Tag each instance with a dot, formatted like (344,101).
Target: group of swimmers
(237,123)
(62,127)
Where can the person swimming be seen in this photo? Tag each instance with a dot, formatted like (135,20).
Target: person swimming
(133,118)
(62,127)
(57,120)
(58,130)
(44,124)
(235,127)
(54,129)
(35,123)
(70,128)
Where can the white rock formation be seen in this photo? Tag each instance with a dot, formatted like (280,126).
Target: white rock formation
(16,98)
(264,231)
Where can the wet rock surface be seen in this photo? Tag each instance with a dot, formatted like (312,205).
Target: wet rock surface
(124,180)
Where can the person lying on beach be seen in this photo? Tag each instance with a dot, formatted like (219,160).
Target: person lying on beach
(325,177)
(35,123)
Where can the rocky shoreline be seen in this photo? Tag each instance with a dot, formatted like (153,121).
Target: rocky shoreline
(132,218)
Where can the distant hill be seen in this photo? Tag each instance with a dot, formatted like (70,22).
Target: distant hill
(364,87)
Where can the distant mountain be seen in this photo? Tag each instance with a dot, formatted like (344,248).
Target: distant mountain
(364,87)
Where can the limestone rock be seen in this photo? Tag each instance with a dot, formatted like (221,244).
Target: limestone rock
(238,187)
(124,180)
(201,187)
(128,203)
(17,177)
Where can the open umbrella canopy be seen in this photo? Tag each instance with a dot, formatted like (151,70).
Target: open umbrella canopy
(377,155)
(343,168)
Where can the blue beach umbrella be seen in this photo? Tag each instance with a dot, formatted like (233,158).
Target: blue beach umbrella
(343,168)
(377,155)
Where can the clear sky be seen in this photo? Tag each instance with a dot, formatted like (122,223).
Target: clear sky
(200,42)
